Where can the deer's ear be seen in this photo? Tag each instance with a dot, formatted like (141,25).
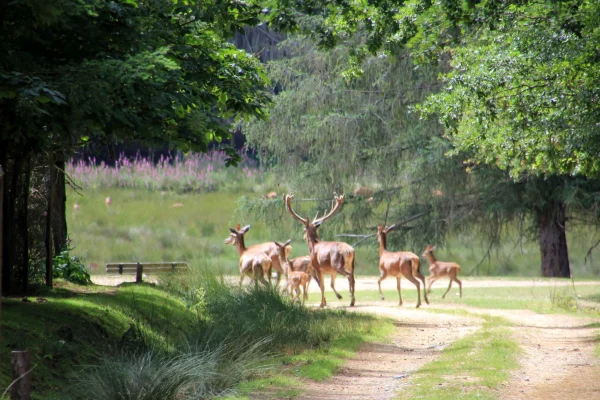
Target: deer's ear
(233,230)
(245,229)
(278,244)
(288,242)
(317,224)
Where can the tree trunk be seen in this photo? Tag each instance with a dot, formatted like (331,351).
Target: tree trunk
(553,240)
(11,173)
(22,233)
(49,220)
(1,239)
(59,213)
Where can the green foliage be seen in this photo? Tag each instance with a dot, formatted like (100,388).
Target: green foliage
(70,268)
(522,91)
(102,72)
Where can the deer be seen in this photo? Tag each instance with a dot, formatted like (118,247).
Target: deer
(328,258)
(303,264)
(254,262)
(398,264)
(267,248)
(295,279)
(439,269)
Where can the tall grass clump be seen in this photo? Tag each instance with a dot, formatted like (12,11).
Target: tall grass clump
(193,172)
(193,373)
(254,312)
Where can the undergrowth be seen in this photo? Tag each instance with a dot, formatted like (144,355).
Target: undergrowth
(483,360)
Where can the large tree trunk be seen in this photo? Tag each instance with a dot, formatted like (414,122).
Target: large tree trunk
(553,240)
(21,232)
(11,172)
(49,221)
(59,213)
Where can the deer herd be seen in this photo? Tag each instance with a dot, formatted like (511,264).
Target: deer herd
(332,258)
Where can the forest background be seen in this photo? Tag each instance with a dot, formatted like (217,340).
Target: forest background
(351,105)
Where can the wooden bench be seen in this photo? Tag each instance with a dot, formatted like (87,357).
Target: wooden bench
(138,269)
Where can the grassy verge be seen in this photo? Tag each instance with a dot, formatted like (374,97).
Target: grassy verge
(541,299)
(131,337)
(317,364)
(471,368)
(71,326)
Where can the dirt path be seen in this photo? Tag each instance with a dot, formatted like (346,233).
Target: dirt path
(557,360)
(370,283)
(380,369)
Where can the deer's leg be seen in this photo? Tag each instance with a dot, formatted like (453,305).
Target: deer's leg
(449,286)
(278,279)
(422,278)
(322,287)
(305,294)
(297,297)
(418,285)
(339,296)
(381,278)
(398,287)
(459,285)
(352,283)
(431,280)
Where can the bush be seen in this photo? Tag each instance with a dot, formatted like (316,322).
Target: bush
(197,372)
(70,268)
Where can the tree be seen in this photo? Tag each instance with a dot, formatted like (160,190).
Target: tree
(520,94)
(329,133)
(77,72)
(523,90)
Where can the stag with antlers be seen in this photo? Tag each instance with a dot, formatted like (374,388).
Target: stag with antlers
(398,264)
(329,258)
(251,257)
(439,269)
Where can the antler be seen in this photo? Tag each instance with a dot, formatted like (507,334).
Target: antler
(287,199)
(335,206)
(390,228)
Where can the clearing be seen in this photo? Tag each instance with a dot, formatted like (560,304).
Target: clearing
(557,360)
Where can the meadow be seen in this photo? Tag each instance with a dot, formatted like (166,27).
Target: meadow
(196,336)
(181,208)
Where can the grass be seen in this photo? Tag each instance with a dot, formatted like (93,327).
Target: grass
(143,225)
(71,328)
(128,335)
(317,364)
(471,368)
(542,299)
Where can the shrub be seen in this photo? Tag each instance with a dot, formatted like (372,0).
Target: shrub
(197,372)
(70,268)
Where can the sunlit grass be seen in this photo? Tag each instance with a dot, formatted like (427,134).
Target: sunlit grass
(142,225)
(471,368)
(543,299)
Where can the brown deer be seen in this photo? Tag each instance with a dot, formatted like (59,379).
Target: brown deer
(271,195)
(439,269)
(398,264)
(364,192)
(267,248)
(329,258)
(302,264)
(295,279)
(251,257)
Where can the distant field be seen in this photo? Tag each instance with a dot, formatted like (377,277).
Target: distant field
(142,225)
